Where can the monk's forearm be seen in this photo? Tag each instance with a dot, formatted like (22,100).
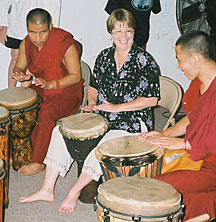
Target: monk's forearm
(69,80)
(64,82)
(19,70)
(179,129)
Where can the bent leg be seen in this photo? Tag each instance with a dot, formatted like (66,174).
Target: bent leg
(200,203)
(46,193)
(188,181)
(197,187)
(70,202)
(58,156)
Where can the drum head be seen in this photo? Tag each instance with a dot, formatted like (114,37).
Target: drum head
(127,146)
(83,126)
(139,196)
(17,97)
(4,115)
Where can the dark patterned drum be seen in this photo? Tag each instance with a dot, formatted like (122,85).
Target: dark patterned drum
(4,150)
(81,133)
(129,156)
(138,199)
(23,104)
(2,206)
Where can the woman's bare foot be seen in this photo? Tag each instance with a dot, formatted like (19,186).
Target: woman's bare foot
(40,195)
(70,202)
(31,169)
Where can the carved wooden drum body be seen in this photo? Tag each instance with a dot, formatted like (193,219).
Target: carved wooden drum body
(4,150)
(2,191)
(129,156)
(23,105)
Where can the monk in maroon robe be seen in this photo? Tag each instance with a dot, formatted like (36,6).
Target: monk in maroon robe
(196,57)
(53,58)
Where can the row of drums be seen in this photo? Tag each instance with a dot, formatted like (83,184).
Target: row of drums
(129,164)
(19,107)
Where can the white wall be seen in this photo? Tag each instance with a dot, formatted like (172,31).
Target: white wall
(86,20)
(164,33)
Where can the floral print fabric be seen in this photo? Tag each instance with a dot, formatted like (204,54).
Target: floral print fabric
(138,77)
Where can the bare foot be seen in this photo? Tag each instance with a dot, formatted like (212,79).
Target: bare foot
(40,195)
(31,169)
(69,204)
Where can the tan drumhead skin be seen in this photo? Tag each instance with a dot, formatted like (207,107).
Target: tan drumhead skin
(139,196)
(17,97)
(83,126)
(1,164)
(4,114)
(127,146)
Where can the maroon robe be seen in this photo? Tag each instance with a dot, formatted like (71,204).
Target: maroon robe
(56,103)
(199,187)
(191,95)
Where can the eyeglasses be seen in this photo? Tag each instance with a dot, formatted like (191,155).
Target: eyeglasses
(128,32)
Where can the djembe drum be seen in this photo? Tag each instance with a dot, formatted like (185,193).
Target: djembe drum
(4,150)
(23,105)
(129,156)
(138,199)
(2,206)
(81,133)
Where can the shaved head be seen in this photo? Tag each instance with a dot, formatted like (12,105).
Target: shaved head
(198,42)
(38,16)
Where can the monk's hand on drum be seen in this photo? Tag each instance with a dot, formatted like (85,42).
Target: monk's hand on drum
(21,76)
(171,143)
(145,135)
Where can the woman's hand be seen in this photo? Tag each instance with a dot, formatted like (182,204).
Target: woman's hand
(171,143)
(89,108)
(108,107)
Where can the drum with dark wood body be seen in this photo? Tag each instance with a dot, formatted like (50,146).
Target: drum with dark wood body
(82,132)
(138,199)
(23,105)
(129,156)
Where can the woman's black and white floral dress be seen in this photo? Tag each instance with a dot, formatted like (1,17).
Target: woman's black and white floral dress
(137,78)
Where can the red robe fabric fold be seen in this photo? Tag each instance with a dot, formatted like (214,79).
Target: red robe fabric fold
(199,187)
(191,95)
(201,131)
(57,103)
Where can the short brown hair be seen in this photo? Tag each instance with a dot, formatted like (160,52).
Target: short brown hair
(120,15)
